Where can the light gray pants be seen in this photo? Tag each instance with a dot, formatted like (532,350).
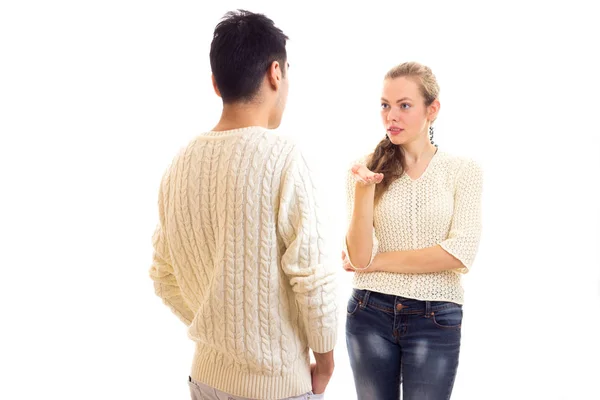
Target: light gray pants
(200,391)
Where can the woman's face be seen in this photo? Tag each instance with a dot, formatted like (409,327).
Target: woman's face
(403,111)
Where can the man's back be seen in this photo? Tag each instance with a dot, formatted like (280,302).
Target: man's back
(239,259)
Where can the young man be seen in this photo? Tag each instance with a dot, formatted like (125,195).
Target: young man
(239,254)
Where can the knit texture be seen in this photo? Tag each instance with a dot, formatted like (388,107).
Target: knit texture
(441,207)
(240,258)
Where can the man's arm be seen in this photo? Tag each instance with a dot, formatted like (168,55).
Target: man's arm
(311,275)
(161,271)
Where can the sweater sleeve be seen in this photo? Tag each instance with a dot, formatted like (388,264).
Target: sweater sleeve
(465,229)
(350,191)
(304,261)
(161,272)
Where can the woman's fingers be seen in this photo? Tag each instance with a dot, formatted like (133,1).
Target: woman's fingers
(364,175)
(345,263)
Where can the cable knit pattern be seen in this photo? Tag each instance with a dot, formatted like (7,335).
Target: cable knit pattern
(239,258)
(441,207)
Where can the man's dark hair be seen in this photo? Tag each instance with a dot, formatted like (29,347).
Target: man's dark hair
(243,48)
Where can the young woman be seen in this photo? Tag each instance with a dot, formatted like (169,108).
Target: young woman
(415,222)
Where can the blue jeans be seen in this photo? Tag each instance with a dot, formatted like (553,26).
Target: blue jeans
(394,341)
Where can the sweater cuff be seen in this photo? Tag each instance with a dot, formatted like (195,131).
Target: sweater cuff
(374,251)
(323,343)
(462,270)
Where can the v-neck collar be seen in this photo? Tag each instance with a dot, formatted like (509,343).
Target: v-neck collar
(427,168)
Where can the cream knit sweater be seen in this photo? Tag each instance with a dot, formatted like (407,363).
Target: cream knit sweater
(239,258)
(441,207)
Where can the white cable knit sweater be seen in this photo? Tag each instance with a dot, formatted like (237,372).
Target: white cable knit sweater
(441,207)
(239,257)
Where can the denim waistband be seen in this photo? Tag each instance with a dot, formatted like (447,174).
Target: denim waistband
(398,304)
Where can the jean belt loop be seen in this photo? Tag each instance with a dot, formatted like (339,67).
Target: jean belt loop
(365,299)
(427,308)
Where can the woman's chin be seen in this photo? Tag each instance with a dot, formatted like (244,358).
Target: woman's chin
(397,139)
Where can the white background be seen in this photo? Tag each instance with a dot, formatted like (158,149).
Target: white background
(97,96)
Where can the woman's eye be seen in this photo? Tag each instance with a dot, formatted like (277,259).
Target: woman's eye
(405,106)
(384,106)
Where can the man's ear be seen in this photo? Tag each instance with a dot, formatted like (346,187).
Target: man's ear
(275,75)
(215,87)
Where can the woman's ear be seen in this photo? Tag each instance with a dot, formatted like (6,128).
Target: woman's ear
(433,110)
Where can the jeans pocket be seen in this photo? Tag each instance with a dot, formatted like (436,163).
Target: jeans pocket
(448,318)
(352,306)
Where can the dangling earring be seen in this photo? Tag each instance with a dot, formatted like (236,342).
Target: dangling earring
(431,135)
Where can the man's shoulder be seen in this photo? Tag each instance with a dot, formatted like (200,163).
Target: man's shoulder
(298,150)
(283,138)
(252,139)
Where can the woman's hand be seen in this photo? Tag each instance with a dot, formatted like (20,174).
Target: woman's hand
(363,175)
(346,264)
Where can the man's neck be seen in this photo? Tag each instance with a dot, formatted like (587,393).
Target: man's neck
(236,116)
